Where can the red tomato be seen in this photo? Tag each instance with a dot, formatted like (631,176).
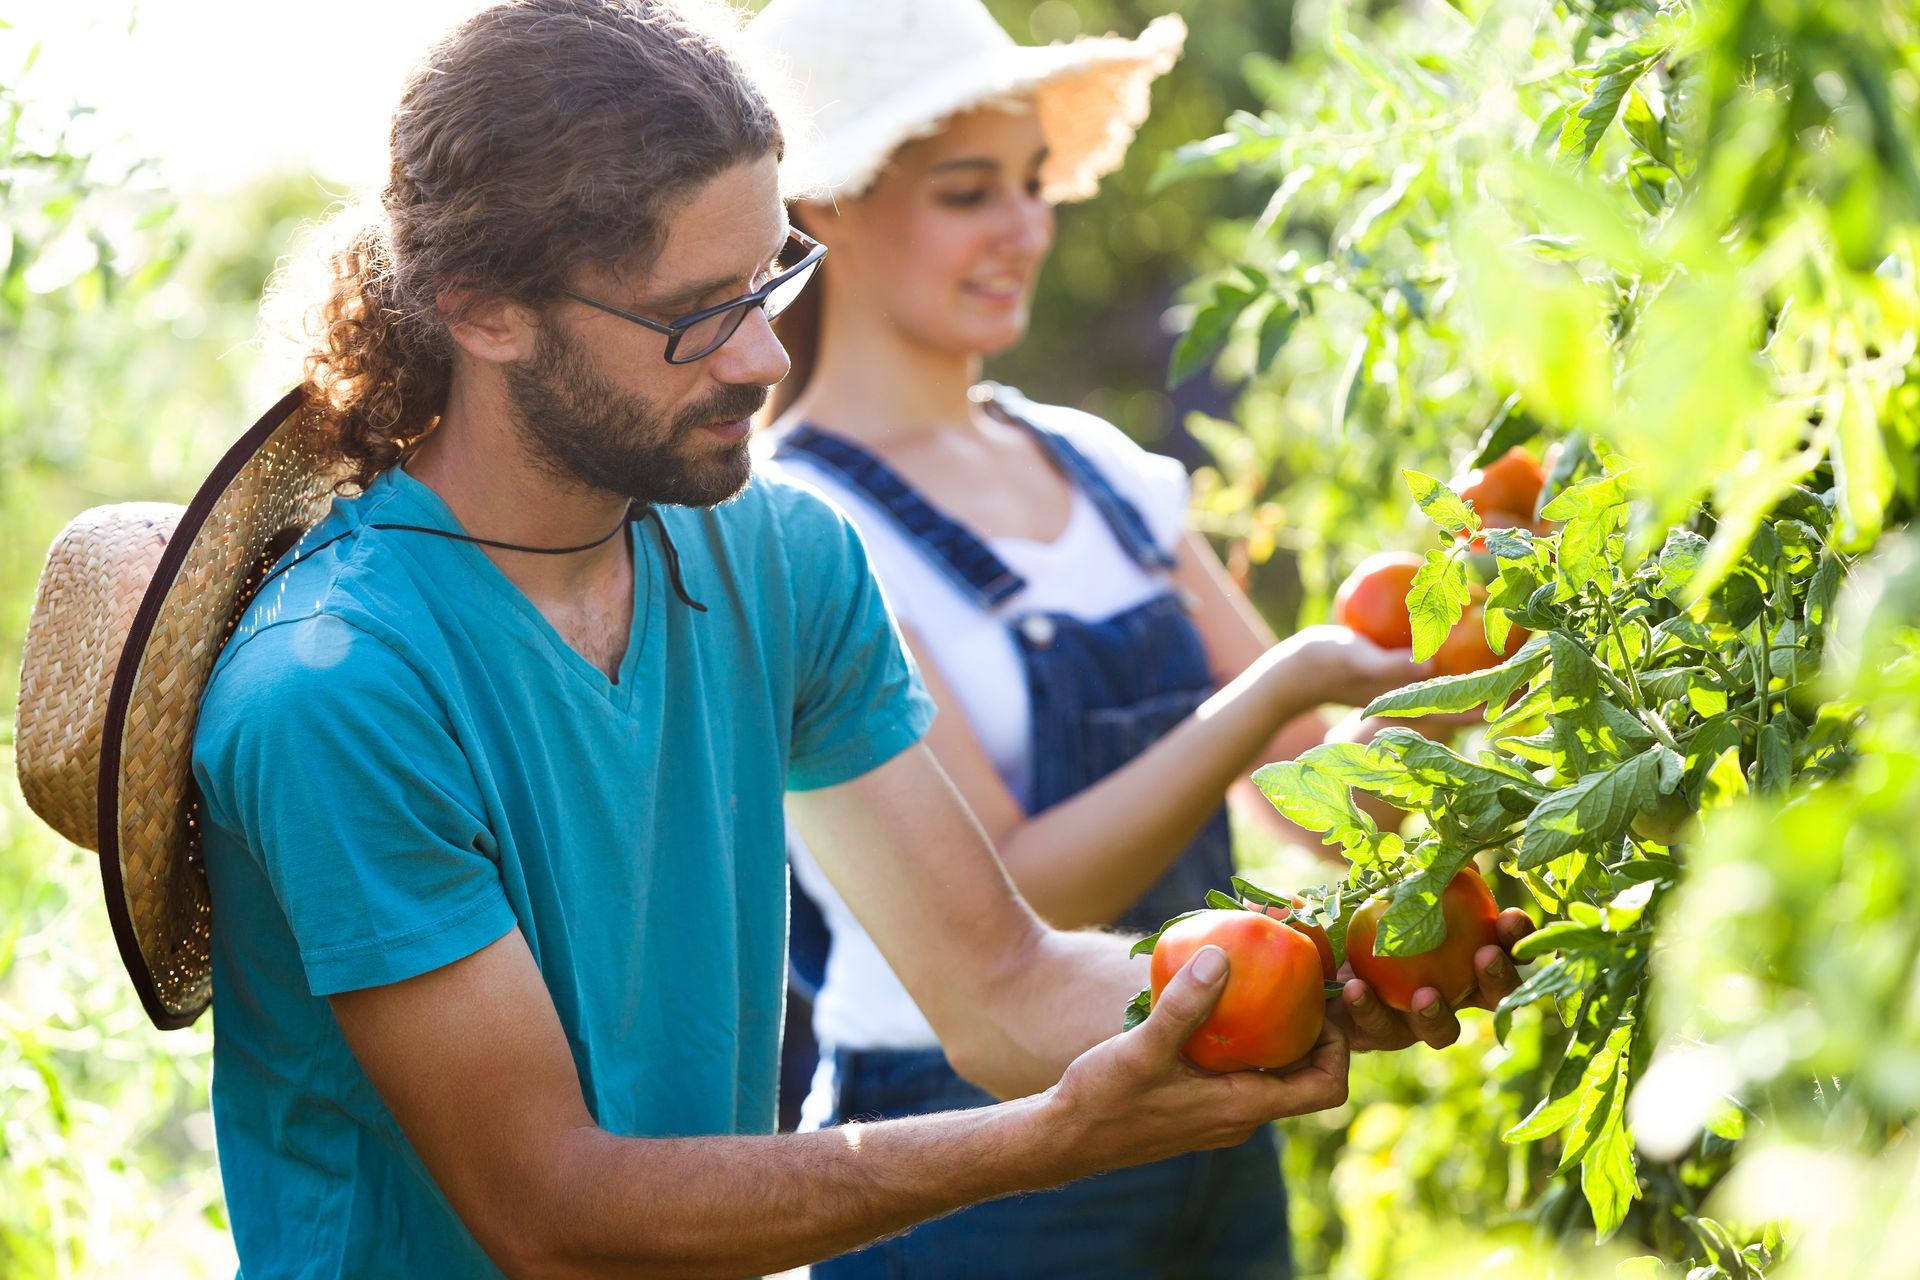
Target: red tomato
(1469,910)
(1271,1011)
(1319,936)
(1511,482)
(1466,649)
(1373,599)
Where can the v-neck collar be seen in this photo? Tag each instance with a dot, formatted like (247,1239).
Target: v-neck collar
(421,499)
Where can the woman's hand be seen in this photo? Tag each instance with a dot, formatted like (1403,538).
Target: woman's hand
(1333,664)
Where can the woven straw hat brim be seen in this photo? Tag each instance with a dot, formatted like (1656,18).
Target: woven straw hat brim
(270,487)
(1091,95)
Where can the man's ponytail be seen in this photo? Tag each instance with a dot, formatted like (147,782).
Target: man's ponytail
(377,374)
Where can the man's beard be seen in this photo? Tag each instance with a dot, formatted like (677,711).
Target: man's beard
(577,426)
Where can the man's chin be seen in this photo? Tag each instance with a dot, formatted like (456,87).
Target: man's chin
(711,482)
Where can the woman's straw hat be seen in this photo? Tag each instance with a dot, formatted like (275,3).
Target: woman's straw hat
(135,603)
(865,78)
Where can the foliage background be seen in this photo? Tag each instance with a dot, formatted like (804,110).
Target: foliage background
(127,361)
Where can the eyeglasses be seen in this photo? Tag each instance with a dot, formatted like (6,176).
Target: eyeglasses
(705,332)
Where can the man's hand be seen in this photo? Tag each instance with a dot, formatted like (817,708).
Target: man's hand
(1133,1099)
(1371,1025)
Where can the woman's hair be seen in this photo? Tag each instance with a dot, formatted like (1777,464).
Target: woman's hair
(538,137)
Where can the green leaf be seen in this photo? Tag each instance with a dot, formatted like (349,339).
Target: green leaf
(1447,694)
(1137,1010)
(1370,767)
(1223,902)
(1413,922)
(1317,801)
(1679,560)
(1252,892)
(1275,328)
(1598,808)
(1822,591)
(1607,1172)
(1440,504)
(1773,765)
(1600,493)
(1613,76)
(1505,431)
(1211,327)
(1249,141)
(1436,601)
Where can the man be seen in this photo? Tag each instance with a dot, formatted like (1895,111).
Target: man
(493,828)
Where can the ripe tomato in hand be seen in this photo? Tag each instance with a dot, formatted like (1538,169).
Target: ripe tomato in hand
(1314,932)
(1466,649)
(1271,1011)
(1511,482)
(1373,599)
(1469,910)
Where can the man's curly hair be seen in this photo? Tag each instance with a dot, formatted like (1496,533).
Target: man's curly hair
(538,137)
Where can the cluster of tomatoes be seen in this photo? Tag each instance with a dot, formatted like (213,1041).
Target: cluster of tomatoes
(1373,599)
(1273,1008)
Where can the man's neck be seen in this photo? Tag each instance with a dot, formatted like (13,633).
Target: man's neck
(474,462)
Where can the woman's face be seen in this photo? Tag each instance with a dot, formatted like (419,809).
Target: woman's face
(946,244)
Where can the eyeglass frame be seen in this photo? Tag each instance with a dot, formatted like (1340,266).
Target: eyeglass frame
(676,329)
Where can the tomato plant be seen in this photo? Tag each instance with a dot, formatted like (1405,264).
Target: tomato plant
(1680,241)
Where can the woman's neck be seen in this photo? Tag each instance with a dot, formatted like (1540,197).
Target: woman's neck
(873,384)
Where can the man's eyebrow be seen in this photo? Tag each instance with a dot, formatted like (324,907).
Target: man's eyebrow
(696,292)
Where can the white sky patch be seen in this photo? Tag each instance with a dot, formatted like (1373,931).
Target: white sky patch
(216,91)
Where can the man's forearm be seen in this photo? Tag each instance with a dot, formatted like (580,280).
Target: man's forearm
(711,1207)
(1057,996)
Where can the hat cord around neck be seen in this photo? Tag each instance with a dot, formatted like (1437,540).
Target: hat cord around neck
(635,512)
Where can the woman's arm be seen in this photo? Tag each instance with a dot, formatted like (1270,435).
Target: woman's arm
(1085,860)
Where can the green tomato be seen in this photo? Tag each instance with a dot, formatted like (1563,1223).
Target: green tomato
(1665,820)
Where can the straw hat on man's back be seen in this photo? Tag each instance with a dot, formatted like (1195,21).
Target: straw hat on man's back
(866,78)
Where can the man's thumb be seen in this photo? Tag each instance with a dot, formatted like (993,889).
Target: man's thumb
(1188,999)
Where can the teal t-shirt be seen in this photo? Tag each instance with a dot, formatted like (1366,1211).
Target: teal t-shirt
(401,761)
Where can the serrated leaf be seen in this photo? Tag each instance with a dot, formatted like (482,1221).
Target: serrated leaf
(1680,559)
(1510,544)
(1369,767)
(1607,1170)
(1137,1009)
(1223,902)
(1436,601)
(1413,922)
(1317,801)
(1440,504)
(1599,807)
(1447,694)
(1822,591)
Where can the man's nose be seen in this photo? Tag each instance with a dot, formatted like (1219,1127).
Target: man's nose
(753,355)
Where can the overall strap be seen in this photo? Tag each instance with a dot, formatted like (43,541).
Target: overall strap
(1128,525)
(966,559)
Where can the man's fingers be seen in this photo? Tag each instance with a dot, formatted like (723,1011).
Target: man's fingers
(1186,1002)
(1374,1025)
(1316,1083)
(1493,970)
(1432,1021)
(1512,925)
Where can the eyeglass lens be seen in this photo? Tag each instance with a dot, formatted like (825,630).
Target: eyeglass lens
(707,336)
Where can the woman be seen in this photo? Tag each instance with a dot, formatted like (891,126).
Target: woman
(1103,687)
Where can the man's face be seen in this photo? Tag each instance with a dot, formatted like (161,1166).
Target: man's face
(598,404)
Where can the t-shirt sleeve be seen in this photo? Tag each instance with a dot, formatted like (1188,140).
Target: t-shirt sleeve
(331,758)
(858,701)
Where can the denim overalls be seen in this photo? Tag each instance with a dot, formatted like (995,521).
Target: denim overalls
(1101,692)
